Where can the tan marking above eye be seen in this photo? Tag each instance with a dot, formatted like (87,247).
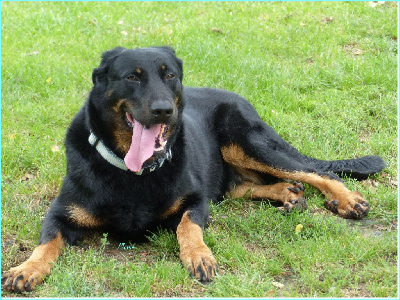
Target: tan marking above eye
(163,67)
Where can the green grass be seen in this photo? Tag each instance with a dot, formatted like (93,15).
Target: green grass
(323,74)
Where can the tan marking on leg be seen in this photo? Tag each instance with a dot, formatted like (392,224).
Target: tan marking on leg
(289,194)
(278,191)
(173,209)
(81,217)
(109,93)
(348,202)
(235,156)
(32,272)
(196,257)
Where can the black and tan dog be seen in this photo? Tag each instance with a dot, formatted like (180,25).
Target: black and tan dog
(145,152)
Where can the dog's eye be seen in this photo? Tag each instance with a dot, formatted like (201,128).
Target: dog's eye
(133,78)
(170,76)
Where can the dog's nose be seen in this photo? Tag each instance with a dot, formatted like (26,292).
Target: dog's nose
(161,110)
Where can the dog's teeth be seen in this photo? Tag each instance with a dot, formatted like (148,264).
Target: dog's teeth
(129,124)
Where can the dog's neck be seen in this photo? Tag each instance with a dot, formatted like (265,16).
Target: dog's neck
(118,162)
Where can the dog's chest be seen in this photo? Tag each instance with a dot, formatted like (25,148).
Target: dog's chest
(139,205)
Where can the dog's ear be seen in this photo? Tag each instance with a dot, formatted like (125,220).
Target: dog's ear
(179,62)
(99,73)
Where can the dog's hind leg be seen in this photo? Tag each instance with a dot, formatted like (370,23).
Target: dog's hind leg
(289,194)
(247,143)
(340,200)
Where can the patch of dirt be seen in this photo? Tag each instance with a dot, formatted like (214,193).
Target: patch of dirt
(13,254)
(320,211)
(142,255)
(123,252)
(353,49)
(41,197)
(361,292)
(384,179)
(18,250)
(179,291)
(372,228)
(365,135)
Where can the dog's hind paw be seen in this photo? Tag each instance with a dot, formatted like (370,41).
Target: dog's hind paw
(353,206)
(299,203)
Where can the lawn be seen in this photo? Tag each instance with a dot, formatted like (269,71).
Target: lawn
(323,74)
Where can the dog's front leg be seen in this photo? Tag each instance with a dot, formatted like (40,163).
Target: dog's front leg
(196,257)
(32,272)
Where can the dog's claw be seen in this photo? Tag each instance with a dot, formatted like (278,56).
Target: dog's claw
(28,287)
(298,204)
(352,207)
(200,265)
(331,205)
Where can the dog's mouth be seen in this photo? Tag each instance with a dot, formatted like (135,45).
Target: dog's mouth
(148,143)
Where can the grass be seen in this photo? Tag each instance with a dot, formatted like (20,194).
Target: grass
(323,74)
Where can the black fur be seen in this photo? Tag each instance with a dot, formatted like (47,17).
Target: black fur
(133,86)
(146,84)
(205,120)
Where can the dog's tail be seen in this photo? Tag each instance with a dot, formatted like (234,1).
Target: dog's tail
(358,168)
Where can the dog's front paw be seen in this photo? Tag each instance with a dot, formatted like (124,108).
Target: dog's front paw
(200,263)
(349,206)
(25,277)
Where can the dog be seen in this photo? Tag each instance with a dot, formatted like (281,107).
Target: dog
(145,152)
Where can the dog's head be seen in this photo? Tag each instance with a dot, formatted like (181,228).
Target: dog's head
(135,104)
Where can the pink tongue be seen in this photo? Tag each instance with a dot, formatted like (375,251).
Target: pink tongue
(142,147)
